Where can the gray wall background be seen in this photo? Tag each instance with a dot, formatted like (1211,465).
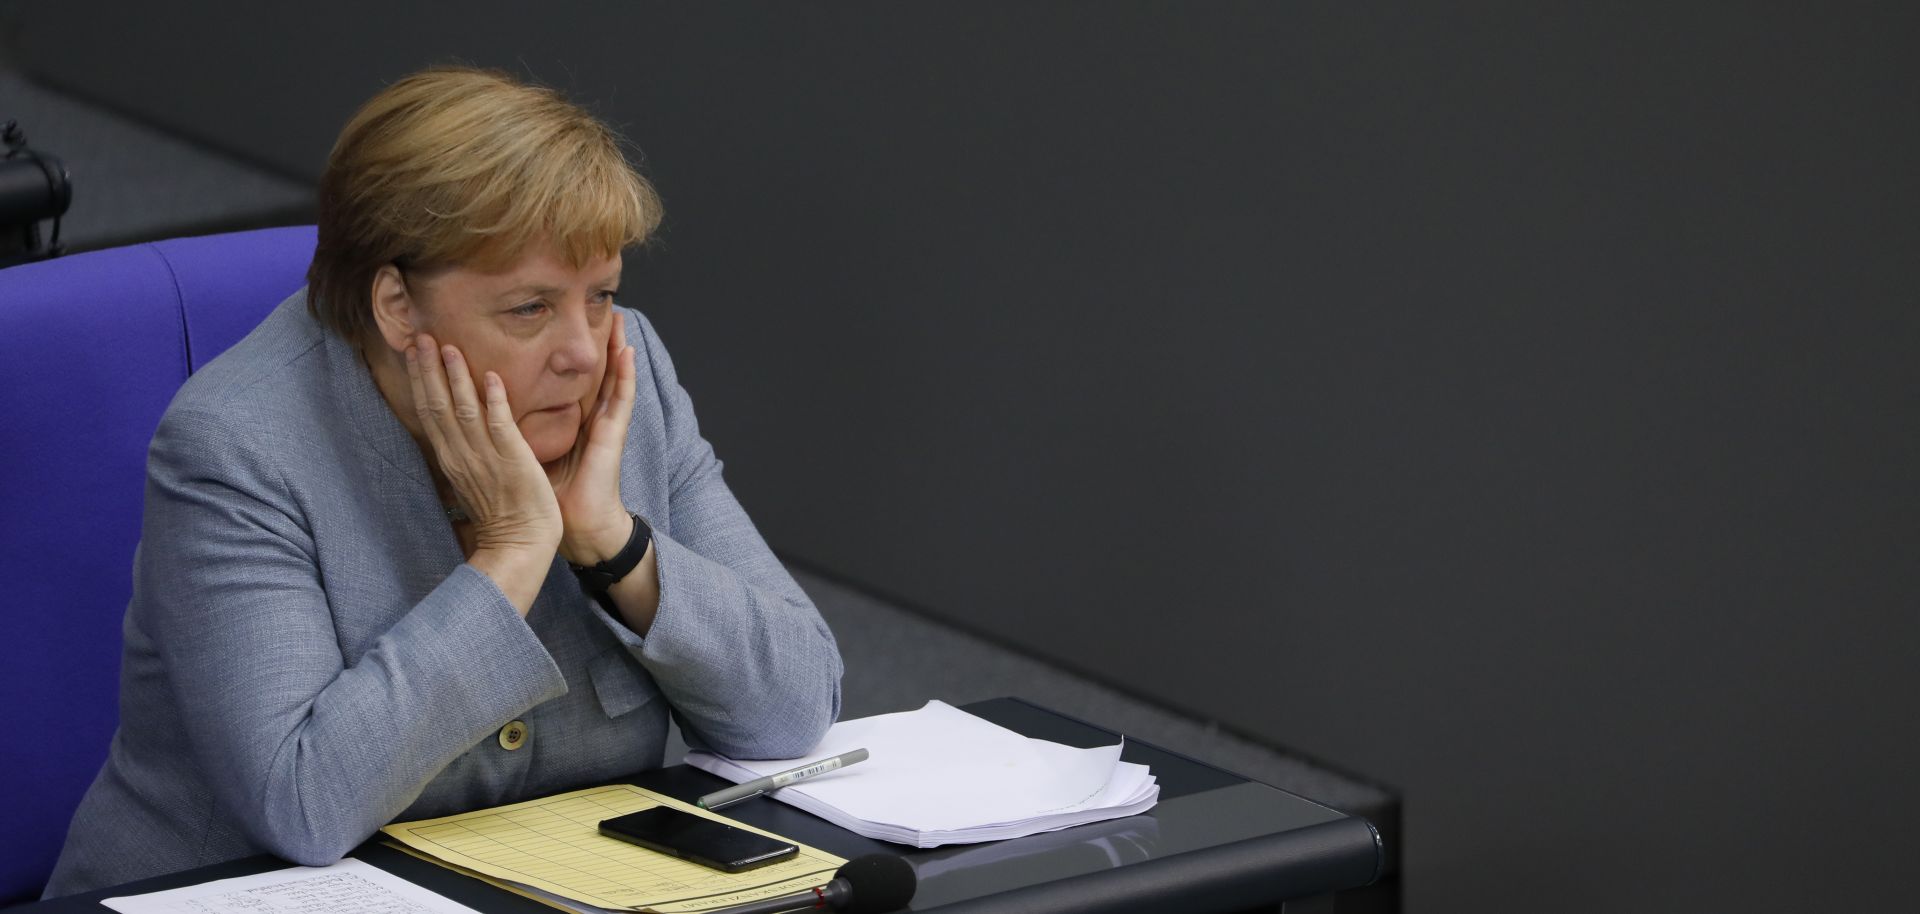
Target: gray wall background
(1512,404)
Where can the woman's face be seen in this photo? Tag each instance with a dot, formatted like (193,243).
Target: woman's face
(539,324)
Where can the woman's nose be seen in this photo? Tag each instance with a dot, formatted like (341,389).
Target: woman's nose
(578,349)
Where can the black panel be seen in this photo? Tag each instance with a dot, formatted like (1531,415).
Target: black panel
(1511,401)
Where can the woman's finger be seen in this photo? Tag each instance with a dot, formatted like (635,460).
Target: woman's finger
(621,411)
(605,396)
(500,425)
(616,341)
(624,386)
(469,419)
(623,404)
(434,403)
(608,431)
(417,381)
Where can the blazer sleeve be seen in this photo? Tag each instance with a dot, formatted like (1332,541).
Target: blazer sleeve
(738,649)
(307,753)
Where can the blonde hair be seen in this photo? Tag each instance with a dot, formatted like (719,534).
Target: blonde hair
(455,165)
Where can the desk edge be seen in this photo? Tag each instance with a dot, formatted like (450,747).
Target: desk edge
(1331,856)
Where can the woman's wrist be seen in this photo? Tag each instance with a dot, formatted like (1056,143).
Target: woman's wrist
(602,541)
(518,571)
(636,597)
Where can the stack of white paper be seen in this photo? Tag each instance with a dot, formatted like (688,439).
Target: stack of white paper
(942,776)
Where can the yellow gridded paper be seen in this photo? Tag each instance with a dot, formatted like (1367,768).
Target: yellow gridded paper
(554,844)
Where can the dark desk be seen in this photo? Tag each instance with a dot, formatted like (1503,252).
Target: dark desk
(1215,842)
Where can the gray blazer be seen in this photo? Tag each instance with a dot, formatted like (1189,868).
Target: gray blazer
(309,658)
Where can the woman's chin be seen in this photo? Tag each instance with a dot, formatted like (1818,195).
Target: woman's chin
(551,440)
(550,456)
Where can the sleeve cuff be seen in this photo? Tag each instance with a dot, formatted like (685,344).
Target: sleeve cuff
(473,618)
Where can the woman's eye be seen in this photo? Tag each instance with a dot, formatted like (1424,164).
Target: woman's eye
(530,309)
(605,297)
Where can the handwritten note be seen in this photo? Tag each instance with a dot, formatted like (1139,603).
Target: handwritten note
(347,887)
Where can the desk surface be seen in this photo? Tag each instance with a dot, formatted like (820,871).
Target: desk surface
(1215,842)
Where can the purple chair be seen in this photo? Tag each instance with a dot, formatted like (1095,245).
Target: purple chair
(92,348)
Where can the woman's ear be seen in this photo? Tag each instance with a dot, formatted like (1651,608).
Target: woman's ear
(394,310)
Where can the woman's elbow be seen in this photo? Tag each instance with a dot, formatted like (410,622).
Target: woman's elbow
(796,732)
(307,848)
(297,832)
(314,854)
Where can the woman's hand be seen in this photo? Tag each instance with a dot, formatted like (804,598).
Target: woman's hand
(586,482)
(516,521)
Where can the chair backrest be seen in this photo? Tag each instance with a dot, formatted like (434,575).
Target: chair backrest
(92,348)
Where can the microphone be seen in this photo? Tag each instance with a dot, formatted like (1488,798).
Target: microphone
(33,187)
(873,884)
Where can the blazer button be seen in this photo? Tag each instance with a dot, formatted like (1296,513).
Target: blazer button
(513,735)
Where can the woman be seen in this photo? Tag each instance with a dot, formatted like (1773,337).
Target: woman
(442,533)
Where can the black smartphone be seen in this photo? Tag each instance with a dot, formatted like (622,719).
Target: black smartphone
(701,840)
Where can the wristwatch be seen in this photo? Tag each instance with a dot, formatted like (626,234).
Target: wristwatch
(597,579)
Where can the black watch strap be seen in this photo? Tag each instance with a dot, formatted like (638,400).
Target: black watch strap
(597,579)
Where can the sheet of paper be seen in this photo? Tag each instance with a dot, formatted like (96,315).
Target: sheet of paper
(939,775)
(347,887)
(942,768)
(554,845)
